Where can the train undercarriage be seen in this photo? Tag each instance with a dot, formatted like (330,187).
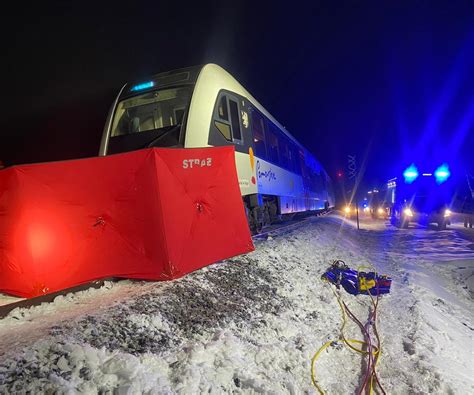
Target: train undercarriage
(264,210)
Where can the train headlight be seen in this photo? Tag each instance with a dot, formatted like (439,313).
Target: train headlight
(380,210)
(347,209)
(408,212)
(447,213)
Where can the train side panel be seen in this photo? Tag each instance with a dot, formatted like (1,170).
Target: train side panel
(246,173)
(301,190)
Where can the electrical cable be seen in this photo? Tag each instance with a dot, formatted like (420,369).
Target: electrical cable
(373,351)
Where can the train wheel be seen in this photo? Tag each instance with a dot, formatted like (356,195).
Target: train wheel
(266,216)
(250,220)
(257,215)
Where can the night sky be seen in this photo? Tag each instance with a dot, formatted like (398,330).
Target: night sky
(392,83)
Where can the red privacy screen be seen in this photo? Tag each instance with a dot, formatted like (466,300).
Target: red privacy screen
(153,214)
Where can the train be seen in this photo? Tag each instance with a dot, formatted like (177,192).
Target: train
(204,106)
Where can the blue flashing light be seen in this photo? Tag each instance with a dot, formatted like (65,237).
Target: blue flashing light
(410,174)
(442,173)
(143,86)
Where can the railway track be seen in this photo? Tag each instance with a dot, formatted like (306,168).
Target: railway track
(26,303)
(287,225)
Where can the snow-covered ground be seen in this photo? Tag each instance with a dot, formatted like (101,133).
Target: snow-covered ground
(251,324)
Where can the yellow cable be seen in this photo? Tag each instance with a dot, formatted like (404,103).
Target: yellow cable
(375,304)
(344,322)
(379,346)
(313,360)
(375,353)
(318,353)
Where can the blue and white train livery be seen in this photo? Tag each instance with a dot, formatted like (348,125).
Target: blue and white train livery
(205,106)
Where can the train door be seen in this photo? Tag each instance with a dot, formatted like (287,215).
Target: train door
(230,122)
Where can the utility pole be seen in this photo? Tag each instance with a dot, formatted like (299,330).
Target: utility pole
(469,177)
(352,175)
(357,214)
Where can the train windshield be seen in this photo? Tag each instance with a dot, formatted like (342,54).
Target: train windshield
(150,119)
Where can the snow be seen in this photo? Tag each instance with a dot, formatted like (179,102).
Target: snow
(251,324)
(7,299)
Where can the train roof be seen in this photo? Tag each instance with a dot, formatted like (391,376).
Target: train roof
(183,76)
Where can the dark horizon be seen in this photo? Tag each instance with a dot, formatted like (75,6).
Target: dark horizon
(388,83)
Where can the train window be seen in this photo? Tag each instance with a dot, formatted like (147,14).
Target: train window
(235,120)
(222,108)
(283,151)
(258,130)
(272,144)
(152,111)
(302,163)
(179,115)
(292,158)
(224,129)
(227,118)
